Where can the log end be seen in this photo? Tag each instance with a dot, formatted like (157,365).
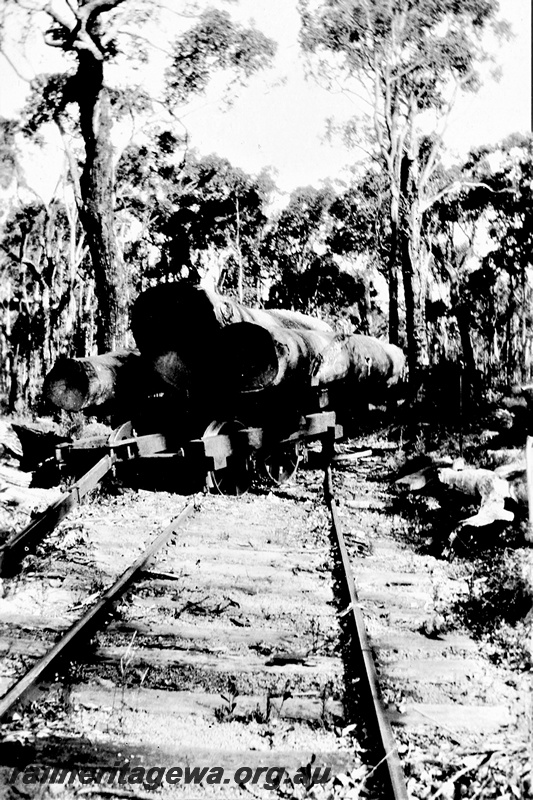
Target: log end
(248,357)
(66,386)
(61,395)
(172,370)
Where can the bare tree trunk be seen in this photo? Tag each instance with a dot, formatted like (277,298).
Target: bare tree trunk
(14,383)
(394,323)
(82,37)
(415,308)
(524,349)
(96,186)
(240,277)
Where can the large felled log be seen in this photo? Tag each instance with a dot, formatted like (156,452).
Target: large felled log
(78,383)
(255,358)
(182,318)
(363,360)
(177,326)
(524,390)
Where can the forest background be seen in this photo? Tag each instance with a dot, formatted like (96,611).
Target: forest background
(140,140)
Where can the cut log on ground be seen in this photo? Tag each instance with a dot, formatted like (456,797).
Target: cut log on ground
(490,487)
(524,390)
(74,384)
(508,457)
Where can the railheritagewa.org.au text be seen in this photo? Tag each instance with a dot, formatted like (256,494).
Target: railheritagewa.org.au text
(154,777)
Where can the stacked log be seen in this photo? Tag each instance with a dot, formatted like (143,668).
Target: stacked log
(362,360)
(216,353)
(74,384)
(257,358)
(178,327)
(180,316)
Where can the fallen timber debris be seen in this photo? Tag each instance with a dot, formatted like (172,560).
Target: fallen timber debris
(9,441)
(493,488)
(490,487)
(35,444)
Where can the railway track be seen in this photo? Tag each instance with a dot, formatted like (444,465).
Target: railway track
(233,650)
(460,719)
(246,648)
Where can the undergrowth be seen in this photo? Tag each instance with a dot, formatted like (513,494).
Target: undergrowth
(496,607)
(495,602)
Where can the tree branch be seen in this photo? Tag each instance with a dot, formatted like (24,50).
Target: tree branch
(94,8)
(457,186)
(141,38)
(77,36)
(59,18)
(14,67)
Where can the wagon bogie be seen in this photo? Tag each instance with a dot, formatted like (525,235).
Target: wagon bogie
(225,458)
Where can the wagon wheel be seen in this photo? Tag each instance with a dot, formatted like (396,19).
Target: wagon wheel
(124,431)
(280,464)
(235,478)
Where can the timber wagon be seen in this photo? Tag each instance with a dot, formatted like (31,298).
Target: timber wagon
(218,391)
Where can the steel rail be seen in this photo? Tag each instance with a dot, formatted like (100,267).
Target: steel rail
(391,765)
(122,445)
(22,542)
(87,624)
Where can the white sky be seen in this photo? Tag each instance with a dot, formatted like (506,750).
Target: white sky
(279,119)
(285,125)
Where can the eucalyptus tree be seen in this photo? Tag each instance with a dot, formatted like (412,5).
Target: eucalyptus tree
(490,275)
(192,211)
(408,59)
(302,265)
(103,41)
(46,294)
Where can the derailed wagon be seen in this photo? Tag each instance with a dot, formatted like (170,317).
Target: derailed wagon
(215,395)
(220,390)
